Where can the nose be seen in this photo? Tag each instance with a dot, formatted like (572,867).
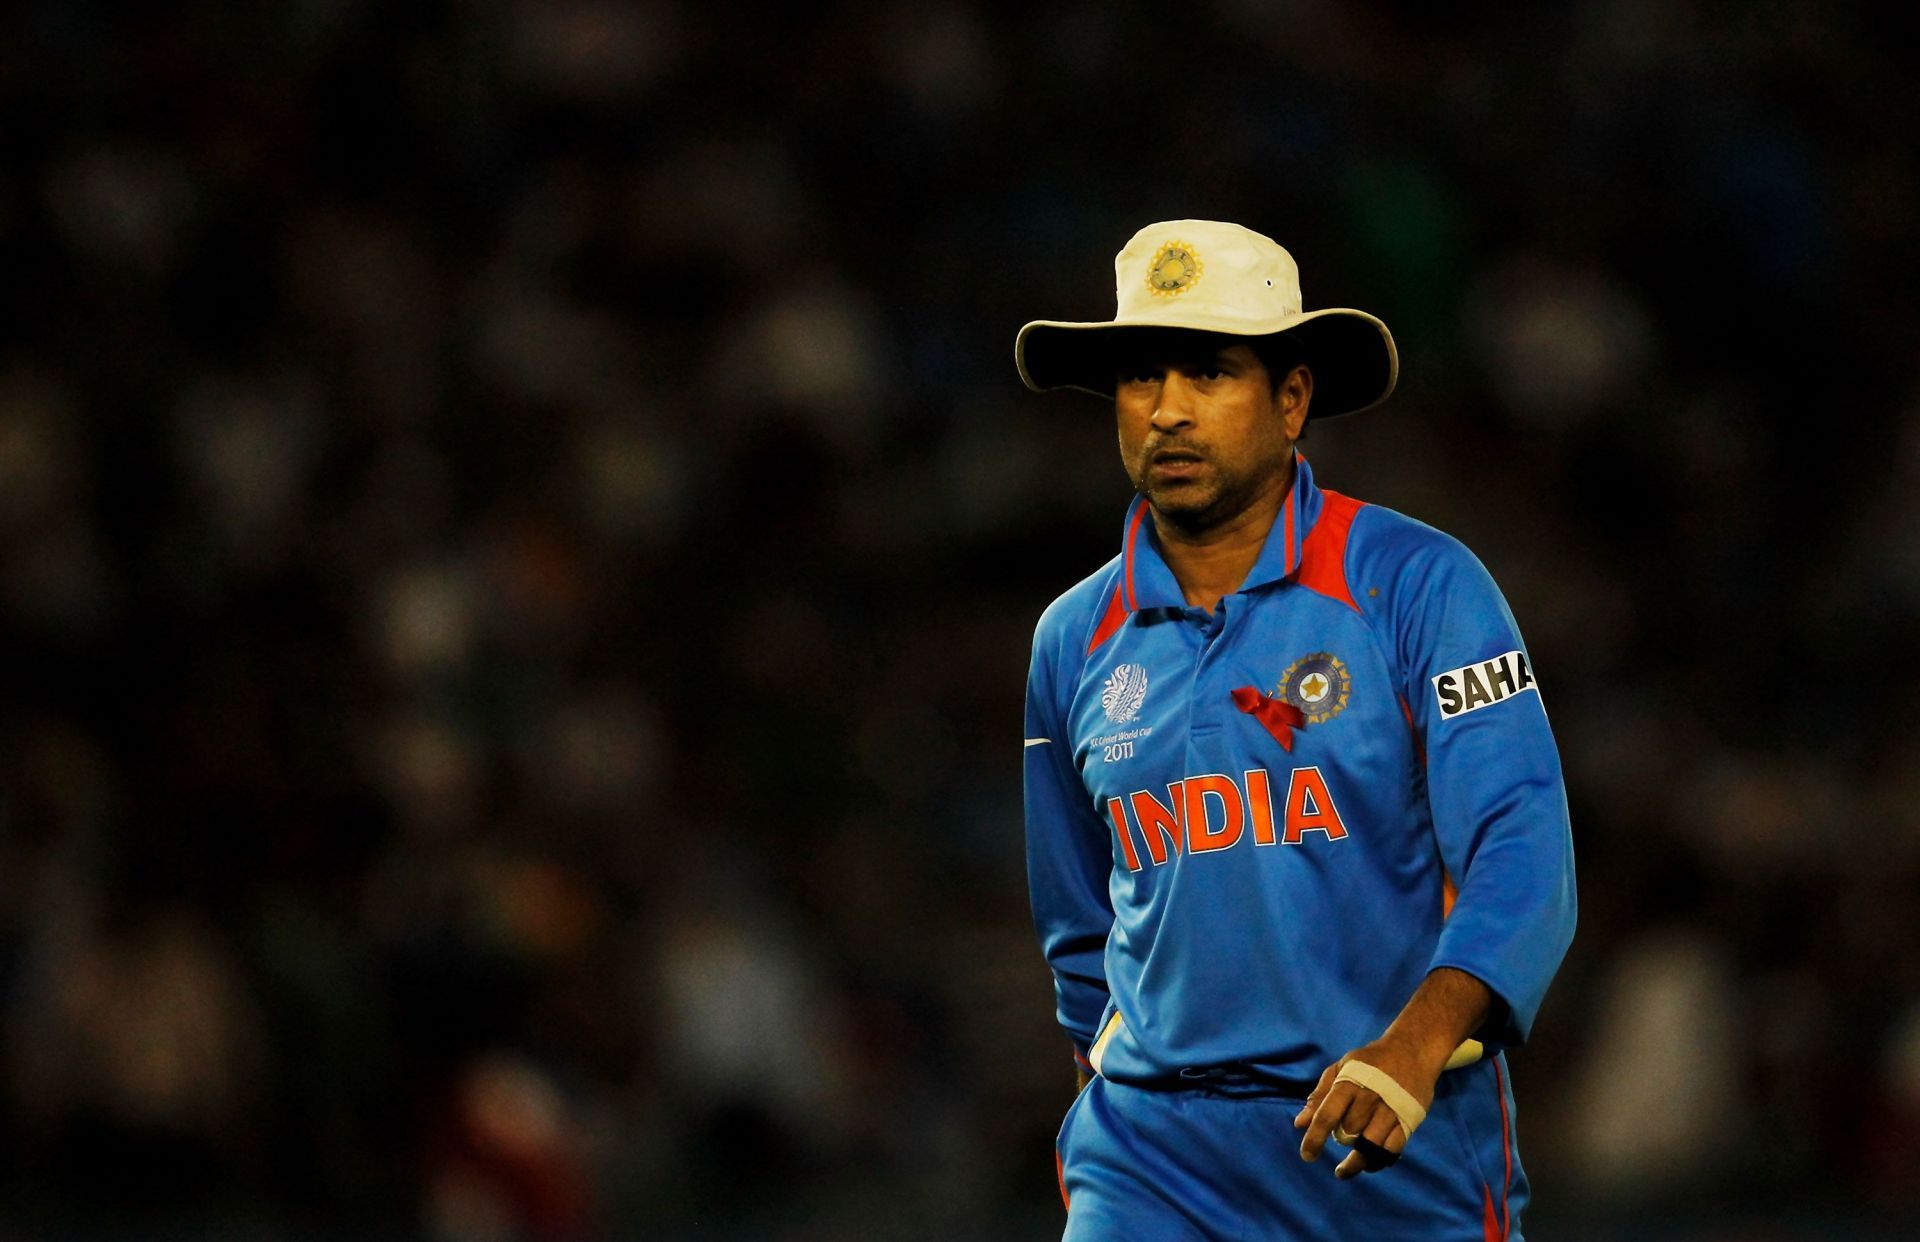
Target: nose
(1175,407)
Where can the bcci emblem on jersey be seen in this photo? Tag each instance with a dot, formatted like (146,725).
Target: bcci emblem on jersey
(1318,684)
(1124,692)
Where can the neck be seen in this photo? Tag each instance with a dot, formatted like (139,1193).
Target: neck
(1211,561)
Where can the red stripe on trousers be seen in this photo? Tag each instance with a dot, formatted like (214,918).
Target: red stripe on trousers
(1506,1145)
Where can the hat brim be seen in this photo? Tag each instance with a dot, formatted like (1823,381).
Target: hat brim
(1350,352)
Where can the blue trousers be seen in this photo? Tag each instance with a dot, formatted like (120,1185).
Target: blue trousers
(1145,1165)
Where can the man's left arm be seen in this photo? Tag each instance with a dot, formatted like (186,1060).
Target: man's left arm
(1499,812)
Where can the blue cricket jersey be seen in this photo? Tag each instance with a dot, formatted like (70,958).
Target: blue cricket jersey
(1251,833)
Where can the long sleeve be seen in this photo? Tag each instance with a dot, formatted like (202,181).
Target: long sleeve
(1069,858)
(1494,782)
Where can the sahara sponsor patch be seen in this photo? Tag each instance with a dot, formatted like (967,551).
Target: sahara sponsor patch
(1474,686)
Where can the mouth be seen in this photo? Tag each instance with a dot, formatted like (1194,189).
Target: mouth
(1174,463)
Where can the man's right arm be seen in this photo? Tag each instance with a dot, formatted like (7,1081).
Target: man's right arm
(1069,858)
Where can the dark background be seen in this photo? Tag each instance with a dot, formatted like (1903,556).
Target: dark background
(519,535)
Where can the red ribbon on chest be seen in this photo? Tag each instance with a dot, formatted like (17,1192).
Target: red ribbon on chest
(1279,717)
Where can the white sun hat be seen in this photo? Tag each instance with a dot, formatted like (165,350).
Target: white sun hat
(1211,276)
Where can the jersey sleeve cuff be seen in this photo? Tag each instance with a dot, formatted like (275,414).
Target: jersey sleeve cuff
(1504,1026)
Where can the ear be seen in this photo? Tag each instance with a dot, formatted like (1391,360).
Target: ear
(1293,400)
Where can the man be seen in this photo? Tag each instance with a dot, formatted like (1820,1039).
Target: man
(1297,836)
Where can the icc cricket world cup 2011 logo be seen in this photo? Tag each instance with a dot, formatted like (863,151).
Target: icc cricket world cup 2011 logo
(1124,692)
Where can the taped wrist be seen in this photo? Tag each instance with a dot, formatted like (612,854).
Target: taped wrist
(1391,1093)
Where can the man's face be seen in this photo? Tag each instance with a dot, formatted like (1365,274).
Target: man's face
(1204,430)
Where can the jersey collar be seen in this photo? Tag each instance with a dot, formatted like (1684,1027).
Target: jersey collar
(1146,582)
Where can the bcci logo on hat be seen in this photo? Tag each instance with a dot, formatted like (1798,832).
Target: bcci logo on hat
(1174,269)
(1124,692)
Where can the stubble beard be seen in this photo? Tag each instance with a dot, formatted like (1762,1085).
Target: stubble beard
(1197,506)
(1194,505)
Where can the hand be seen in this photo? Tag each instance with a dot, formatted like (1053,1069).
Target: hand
(1360,1112)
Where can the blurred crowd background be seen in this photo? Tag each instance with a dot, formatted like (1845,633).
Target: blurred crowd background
(520,533)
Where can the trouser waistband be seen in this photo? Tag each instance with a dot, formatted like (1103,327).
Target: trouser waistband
(1238,1080)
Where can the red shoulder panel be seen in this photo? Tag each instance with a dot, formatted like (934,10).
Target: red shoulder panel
(1323,558)
(1115,617)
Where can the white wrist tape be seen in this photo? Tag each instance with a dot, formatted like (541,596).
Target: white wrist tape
(1391,1093)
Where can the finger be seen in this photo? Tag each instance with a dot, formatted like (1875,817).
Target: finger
(1363,1110)
(1354,1165)
(1319,1093)
(1331,1110)
(1369,1157)
(1379,1148)
(1381,1127)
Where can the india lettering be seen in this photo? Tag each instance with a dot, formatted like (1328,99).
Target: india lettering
(1213,812)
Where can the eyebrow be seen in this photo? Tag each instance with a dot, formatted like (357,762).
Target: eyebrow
(1217,358)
